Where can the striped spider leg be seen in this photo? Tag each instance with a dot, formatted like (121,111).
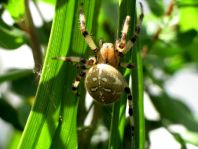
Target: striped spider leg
(129,98)
(85,33)
(81,63)
(121,45)
(127,65)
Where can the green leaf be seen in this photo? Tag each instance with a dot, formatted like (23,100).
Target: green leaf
(138,90)
(14,140)
(191,51)
(186,38)
(127,7)
(24,85)
(47,1)
(163,50)
(176,108)
(16,8)
(179,139)
(52,120)
(188,14)
(11,38)
(190,137)
(3,1)
(156,6)
(9,114)
(14,75)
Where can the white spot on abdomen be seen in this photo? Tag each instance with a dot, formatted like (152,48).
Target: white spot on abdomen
(104,79)
(117,81)
(94,79)
(107,90)
(94,89)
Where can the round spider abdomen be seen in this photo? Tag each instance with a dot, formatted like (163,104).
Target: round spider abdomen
(104,83)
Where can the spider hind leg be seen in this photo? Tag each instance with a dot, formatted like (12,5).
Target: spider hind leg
(130,108)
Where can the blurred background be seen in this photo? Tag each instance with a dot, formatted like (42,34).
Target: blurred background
(169,43)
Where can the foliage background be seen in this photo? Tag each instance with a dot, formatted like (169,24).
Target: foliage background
(169,44)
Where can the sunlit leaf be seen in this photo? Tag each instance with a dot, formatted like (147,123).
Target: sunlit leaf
(14,140)
(52,120)
(188,14)
(47,1)
(16,8)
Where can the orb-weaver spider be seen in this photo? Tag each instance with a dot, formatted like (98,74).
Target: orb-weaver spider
(102,79)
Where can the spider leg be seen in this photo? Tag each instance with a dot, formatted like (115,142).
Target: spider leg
(127,65)
(76,83)
(121,43)
(82,63)
(125,29)
(130,111)
(72,59)
(133,39)
(85,33)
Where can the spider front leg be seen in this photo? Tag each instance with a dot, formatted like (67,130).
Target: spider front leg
(85,33)
(131,42)
(124,48)
(121,43)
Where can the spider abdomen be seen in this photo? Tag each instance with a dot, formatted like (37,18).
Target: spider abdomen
(104,83)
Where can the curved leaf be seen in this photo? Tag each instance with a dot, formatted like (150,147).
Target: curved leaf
(52,121)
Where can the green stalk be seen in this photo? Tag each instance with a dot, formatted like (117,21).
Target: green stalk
(128,7)
(52,120)
(33,38)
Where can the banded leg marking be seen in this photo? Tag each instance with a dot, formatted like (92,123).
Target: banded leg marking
(121,44)
(85,33)
(132,41)
(125,29)
(72,59)
(82,63)
(127,65)
(130,110)
(76,83)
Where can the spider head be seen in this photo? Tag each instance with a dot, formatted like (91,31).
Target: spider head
(108,55)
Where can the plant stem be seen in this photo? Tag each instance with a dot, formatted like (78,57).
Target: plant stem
(35,44)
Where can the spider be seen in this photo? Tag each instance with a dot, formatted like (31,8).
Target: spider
(103,81)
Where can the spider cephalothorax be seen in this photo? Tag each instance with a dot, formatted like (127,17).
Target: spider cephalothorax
(102,79)
(108,55)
